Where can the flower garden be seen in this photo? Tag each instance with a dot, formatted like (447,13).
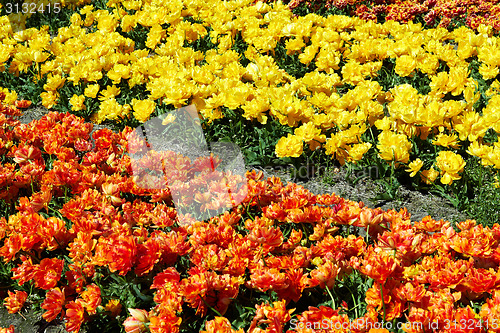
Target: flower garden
(411,87)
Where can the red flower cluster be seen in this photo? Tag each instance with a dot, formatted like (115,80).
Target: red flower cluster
(433,12)
(280,240)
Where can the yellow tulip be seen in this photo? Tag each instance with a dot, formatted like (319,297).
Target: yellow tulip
(54,82)
(307,132)
(294,45)
(488,71)
(394,147)
(119,72)
(143,109)
(39,56)
(91,90)
(154,36)
(128,23)
(450,165)
(357,151)
(290,146)
(49,99)
(445,140)
(415,167)
(170,118)
(429,176)
(77,102)
(405,65)
(109,92)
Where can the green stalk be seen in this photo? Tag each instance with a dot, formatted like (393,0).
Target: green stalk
(216,312)
(354,302)
(331,296)
(383,302)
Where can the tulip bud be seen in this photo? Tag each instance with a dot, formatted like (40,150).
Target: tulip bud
(137,322)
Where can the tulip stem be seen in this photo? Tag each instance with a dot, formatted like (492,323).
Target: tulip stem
(354,302)
(383,302)
(211,308)
(216,312)
(331,296)
(367,234)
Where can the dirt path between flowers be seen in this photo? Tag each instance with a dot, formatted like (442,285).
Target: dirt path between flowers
(418,204)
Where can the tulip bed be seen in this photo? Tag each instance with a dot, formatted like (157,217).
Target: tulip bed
(431,13)
(424,101)
(83,244)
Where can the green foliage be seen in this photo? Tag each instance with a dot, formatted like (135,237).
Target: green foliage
(352,289)
(103,323)
(322,7)
(257,141)
(484,204)
(6,283)
(243,314)
(54,21)
(24,84)
(291,63)
(388,79)
(132,291)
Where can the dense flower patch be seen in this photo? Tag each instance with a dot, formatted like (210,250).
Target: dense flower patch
(349,87)
(81,242)
(78,228)
(433,12)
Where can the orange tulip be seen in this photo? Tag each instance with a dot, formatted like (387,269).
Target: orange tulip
(378,265)
(219,325)
(114,307)
(22,104)
(91,298)
(74,315)
(15,301)
(48,273)
(53,303)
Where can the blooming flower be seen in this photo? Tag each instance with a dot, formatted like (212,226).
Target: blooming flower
(10,329)
(143,109)
(414,167)
(53,303)
(114,307)
(450,165)
(109,93)
(446,140)
(291,146)
(77,102)
(91,90)
(219,325)
(91,298)
(48,273)
(74,315)
(357,151)
(15,301)
(394,147)
(429,176)
(49,99)
(136,323)
(405,65)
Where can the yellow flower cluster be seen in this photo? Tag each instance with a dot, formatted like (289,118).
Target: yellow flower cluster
(10,96)
(321,106)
